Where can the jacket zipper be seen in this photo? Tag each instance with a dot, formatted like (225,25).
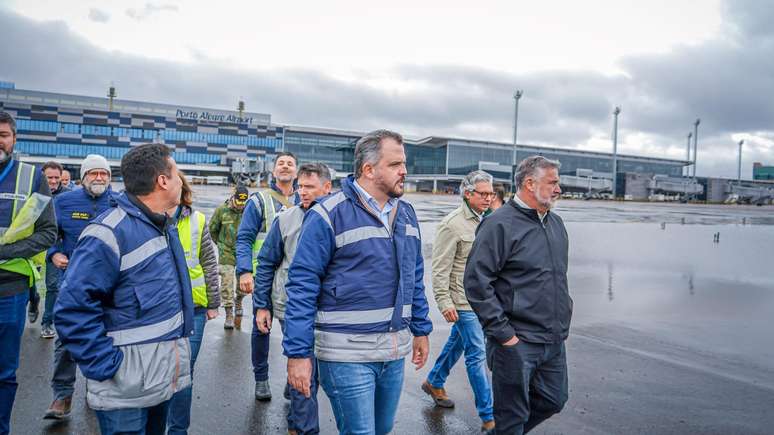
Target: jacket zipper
(553,274)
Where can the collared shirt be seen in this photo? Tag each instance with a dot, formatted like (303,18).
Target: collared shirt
(384,214)
(523,204)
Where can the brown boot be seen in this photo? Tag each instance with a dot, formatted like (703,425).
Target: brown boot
(59,409)
(488,426)
(238,319)
(438,395)
(229,323)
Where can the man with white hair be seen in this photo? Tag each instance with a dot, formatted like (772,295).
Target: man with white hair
(453,239)
(516,282)
(74,211)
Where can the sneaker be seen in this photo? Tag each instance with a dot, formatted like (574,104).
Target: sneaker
(438,394)
(262,390)
(47,332)
(59,409)
(488,427)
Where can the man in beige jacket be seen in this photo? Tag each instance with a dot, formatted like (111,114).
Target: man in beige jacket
(453,240)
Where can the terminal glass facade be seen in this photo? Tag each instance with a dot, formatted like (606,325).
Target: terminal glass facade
(603,163)
(761,172)
(336,151)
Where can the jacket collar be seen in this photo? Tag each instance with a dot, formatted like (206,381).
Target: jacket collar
(133,206)
(531,212)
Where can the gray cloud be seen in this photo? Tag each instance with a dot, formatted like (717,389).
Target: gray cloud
(148,10)
(98,15)
(727,82)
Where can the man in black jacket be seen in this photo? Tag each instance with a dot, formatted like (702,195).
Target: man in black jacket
(516,282)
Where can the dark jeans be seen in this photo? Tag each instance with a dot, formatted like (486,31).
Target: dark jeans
(259,344)
(529,382)
(180,405)
(302,416)
(134,421)
(12,318)
(63,380)
(53,275)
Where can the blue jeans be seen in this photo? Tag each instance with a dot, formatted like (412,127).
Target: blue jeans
(12,318)
(53,275)
(180,404)
(303,415)
(134,421)
(466,337)
(364,396)
(63,380)
(259,346)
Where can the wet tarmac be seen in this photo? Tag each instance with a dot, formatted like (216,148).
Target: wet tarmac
(670,335)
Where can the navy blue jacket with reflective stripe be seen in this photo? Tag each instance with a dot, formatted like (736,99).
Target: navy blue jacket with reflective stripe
(75,209)
(351,275)
(127,283)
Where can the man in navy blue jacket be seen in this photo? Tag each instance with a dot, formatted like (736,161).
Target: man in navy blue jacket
(257,218)
(355,291)
(125,309)
(74,209)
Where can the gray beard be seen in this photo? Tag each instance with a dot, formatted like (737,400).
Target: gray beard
(96,189)
(4,156)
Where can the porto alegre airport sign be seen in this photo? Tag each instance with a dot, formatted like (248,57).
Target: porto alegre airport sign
(213,116)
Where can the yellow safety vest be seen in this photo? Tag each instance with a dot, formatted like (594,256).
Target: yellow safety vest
(23,217)
(190,229)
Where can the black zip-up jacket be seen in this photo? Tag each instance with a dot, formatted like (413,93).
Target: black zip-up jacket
(516,276)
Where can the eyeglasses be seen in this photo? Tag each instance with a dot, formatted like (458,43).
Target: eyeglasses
(486,195)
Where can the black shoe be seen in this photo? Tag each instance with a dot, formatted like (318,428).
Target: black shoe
(47,332)
(286,393)
(262,390)
(33,315)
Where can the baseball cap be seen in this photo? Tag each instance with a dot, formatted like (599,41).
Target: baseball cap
(240,195)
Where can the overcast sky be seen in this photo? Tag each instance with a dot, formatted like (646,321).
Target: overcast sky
(430,67)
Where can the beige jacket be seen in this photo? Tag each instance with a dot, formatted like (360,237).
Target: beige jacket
(453,240)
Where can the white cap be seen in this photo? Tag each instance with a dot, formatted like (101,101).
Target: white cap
(94,161)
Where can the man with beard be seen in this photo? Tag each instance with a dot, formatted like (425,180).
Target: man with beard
(27,227)
(257,218)
(53,173)
(516,282)
(355,295)
(74,210)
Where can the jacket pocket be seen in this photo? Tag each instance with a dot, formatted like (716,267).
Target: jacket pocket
(149,296)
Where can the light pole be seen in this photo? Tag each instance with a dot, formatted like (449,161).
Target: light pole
(616,111)
(695,142)
(516,97)
(739,168)
(688,155)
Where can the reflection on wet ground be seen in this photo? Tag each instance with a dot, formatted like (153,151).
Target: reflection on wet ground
(670,333)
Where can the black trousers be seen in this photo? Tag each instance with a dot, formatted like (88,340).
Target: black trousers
(529,384)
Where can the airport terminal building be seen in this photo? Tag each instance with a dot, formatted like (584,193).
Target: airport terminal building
(206,141)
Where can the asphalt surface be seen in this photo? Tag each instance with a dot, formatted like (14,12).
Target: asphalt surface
(670,336)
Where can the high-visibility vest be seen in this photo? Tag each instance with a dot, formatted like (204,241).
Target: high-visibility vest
(190,229)
(25,175)
(269,213)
